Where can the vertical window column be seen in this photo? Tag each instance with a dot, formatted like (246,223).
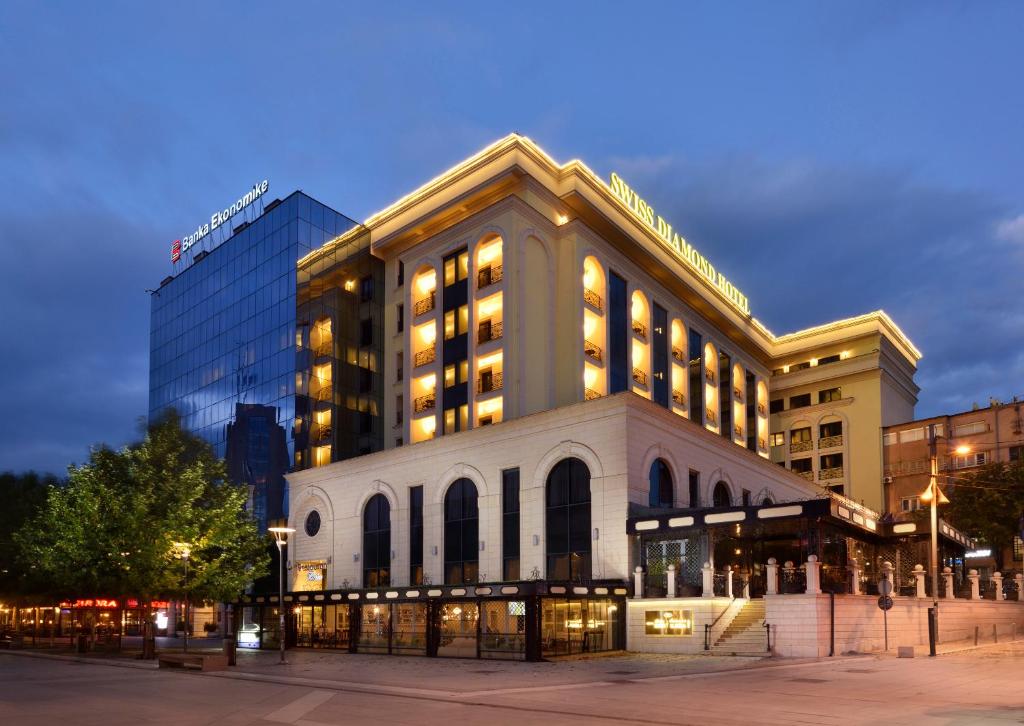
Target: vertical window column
(696,377)
(416,535)
(510,524)
(618,335)
(659,357)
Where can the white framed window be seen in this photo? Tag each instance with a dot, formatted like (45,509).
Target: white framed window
(910,504)
(977,459)
(971,427)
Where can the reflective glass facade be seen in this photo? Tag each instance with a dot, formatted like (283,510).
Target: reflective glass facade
(223,344)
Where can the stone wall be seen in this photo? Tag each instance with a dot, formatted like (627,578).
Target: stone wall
(704,611)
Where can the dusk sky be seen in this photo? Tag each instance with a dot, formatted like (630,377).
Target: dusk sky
(830,158)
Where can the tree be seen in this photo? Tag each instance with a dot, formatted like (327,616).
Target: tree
(22,495)
(111,531)
(988,503)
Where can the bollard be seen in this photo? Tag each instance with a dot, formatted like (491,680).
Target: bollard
(932,631)
(919,590)
(947,575)
(670,585)
(973,576)
(976,634)
(728,581)
(995,633)
(772,577)
(997,583)
(638,582)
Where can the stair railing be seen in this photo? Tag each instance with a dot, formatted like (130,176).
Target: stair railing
(709,627)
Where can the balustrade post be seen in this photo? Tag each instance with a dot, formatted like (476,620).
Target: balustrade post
(974,578)
(728,581)
(919,581)
(947,575)
(670,585)
(997,583)
(888,574)
(854,577)
(771,585)
(813,575)
(1020,586)
(708,577)
(638,582)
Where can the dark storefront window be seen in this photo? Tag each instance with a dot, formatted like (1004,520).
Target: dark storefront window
(377,542)
(568,521)
(461,533)
(510,524)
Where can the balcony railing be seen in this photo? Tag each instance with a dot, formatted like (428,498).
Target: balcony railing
(678,354)
(738,430)
(710,416)
(488,331)
(592,298)
(830,442)
(639,376)
(738,393)
(489,275)
(486,385)
(424,305)
(592,350)
(424,403)
(808,475)
(590,394)
(796,447)
(324,393)
(324,349)
(762,410)
(678,398)
(835,472)
(323,431)
(425,356)
(640,329)
(761,445)
(709,376)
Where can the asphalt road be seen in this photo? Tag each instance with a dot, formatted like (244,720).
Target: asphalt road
(982,686)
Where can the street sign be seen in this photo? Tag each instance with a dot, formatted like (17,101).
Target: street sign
(885,586)
(884,602)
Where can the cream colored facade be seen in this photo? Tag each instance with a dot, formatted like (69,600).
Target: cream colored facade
(539,250)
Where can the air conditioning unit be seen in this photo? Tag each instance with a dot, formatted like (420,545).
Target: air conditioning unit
(887,480)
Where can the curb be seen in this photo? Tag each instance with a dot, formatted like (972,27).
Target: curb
(147,665)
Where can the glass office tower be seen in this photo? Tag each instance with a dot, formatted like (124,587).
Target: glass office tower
(223,345)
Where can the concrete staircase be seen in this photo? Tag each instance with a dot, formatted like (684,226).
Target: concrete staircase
(745,635)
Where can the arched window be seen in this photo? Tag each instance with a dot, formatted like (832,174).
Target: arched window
(660,479)
(568,521)
(377,542)
(721,496)
(461,533)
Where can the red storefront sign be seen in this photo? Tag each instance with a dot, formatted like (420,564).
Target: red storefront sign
(110,604)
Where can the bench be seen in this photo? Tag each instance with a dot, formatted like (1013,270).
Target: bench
(193,661)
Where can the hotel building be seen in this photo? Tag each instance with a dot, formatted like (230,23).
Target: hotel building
(572,393)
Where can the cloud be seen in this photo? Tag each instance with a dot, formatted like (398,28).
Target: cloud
(809,243)
(1011,230)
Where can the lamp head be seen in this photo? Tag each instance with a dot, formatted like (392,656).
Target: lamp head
(280,534)
(962,449)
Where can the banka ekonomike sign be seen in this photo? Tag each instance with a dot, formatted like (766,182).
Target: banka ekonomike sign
(675,242)
(180,246)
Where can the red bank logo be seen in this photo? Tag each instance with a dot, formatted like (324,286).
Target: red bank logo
(176,250)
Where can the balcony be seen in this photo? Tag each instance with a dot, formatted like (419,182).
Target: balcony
(737,393)
(488,331)
(324,349)
(592,299)
(639,329)
(796,447)
(490,383)
(425,356)
(424,403)
(678,398)
(808,475)
(324,393)
(830,442)
(590,394)
(761,410)
(678,354)
(710,416)
(709,376)
(592,350)
(833,473)
(424,305)
(761,445)
(490,275)
(323,432)
(737,430)
(639,376)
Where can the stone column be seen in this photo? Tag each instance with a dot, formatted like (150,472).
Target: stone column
(919,581)
(854,577)
(1020,586)
(947,575)
(670,585)
(887,574)
(638,582)
(771,585)
(813,575)
(728,581)
(997,583)
(972,575)
(708,576)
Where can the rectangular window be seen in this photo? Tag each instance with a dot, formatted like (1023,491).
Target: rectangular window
(399,410)
(1017,453)
(366,289)
(831,461)
(799,436)
(400,317)
(456,322)
(832,428)
(694,488)
(618,335)
(415,535)
(829,395)
(366,332)
(778,439)
(456,419)
(401,273)
(510,524)
(400,365)
(828,359)
(804,399)
(910,504)
(1018,550)
(776,406)
(889,439)
(745,497)
(963,462)
(456,268)
(802,466)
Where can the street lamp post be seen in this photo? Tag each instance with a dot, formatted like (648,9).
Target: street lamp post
(281,539)
(184,550)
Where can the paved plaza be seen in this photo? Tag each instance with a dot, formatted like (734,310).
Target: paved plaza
(320,689)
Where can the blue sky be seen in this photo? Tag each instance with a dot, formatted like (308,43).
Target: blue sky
(830,158)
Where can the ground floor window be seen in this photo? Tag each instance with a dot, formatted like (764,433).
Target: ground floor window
(579,626)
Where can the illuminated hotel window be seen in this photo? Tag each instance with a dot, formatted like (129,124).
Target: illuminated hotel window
(321,455)
(829,394)
(804,399)
(456,268)
(778,439)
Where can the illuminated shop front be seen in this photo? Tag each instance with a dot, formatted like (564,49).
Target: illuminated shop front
(509,621)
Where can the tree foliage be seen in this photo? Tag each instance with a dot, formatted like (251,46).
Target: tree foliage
(112,530)
(988,503)
(21,498)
